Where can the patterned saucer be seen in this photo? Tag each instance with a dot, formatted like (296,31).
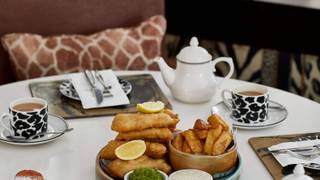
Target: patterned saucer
(55,123)
(66,88)
(275,116)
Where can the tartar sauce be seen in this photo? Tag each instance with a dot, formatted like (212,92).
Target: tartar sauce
(190,174)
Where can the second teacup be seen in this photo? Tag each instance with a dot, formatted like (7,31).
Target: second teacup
(27,117)
(249,104)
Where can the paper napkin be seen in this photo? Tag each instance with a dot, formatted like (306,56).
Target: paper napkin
(286,158)
(87,97)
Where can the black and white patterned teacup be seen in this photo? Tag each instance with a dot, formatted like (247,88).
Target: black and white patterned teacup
(249,104)
(27,117)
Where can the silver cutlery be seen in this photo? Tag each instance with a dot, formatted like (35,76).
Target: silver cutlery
(106,88)
(96,91)
(276,107)
(15,138)
(304,148)
(307,155)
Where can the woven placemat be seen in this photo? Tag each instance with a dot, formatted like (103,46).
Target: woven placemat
(144,88)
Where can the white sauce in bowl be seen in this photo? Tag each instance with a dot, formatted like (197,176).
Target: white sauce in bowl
(190,174)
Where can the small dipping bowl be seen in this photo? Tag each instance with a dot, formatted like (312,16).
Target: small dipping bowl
(164,175)
(187,174)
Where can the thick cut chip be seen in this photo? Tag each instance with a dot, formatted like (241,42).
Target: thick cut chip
(213,135)
(222,143)
(178,142)
(216,120)
(193,141)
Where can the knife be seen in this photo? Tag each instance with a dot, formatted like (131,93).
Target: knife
(295,149)
(96,91)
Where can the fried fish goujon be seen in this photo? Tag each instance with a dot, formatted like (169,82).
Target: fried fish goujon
(152,134)
(154,150)
(136,122)
(118,168)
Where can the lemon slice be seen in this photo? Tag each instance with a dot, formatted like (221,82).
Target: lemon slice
(131,150)
(150,107)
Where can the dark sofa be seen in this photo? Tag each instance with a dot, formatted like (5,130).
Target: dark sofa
(47,17)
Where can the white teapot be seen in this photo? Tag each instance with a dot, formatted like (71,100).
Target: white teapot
(193,81)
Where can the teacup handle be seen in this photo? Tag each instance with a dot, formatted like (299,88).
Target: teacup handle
(225,99)
(227,60)
(2,118)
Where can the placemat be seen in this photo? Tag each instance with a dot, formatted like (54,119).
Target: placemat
(144,88)
(258,144)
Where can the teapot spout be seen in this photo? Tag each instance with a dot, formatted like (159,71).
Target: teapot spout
(168,74)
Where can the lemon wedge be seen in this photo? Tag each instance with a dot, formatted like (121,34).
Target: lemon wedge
(150,107)
(131,150)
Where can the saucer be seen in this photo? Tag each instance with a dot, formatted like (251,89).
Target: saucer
(55,123)
(66,88)
(275,116)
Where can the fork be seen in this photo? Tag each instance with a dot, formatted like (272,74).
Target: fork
(305,155)
(106,88)
(309,154)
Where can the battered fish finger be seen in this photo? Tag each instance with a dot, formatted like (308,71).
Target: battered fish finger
(222,143)
(159,134)
(171,113)
(139,121)
(213,135)
(178,142)
(154,150)
(118,168)
(215,120)
(193,141)
(108,150)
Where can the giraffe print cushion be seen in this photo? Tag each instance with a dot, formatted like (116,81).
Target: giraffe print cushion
(131,48)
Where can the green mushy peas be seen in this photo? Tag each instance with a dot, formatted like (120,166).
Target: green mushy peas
(145,174)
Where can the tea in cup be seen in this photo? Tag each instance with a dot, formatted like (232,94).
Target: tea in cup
(248,104)
(27,117)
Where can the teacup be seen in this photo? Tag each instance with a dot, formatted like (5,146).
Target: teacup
(27,117)
(249,104)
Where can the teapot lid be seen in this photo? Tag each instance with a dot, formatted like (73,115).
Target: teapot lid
(194,54)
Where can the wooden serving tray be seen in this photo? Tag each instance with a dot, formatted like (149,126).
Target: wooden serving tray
(144,88)
(259,144)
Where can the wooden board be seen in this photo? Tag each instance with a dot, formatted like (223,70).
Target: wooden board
(259,144)
(144,88)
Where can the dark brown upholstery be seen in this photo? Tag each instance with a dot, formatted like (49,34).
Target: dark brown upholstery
(48,17)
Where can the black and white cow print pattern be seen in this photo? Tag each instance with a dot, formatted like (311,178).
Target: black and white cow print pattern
(250,110)
(27,124)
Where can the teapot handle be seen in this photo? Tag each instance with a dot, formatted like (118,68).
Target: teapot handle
(227,60)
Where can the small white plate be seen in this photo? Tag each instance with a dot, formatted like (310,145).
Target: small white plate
(275,116)
(66,88)
(55,123)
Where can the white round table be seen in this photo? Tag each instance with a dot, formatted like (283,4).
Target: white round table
(72,157)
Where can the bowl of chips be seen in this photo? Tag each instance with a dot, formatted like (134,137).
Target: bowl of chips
(208,146)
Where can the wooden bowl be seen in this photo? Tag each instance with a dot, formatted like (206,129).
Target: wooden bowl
(101,174)
(211,164)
